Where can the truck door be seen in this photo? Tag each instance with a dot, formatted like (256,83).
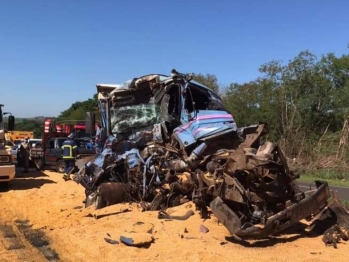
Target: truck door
(57,150)
(171,106)
(49,159)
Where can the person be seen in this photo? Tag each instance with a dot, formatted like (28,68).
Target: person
(24,149)
(69,152)
(90,145)
(99,139)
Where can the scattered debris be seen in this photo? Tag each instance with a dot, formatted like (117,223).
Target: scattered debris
(203,229)
(137,239)
(104,213)
(163,215)
(340,230)
(111,241)
(315,253)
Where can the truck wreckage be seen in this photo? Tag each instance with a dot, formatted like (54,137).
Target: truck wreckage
(169,139)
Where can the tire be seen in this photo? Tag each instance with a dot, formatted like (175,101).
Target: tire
(60,166)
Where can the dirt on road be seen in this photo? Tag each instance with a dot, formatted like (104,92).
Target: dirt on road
(44,219)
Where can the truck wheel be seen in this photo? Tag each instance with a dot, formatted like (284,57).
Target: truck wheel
(60,166)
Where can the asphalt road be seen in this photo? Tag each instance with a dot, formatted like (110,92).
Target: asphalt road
(342,192)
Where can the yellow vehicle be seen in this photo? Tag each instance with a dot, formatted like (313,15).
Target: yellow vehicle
(7,168)
(18,135)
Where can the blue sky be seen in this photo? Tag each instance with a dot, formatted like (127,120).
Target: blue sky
(54,52)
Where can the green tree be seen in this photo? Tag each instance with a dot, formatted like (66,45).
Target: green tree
(78,110)
(208,80)
(30,125)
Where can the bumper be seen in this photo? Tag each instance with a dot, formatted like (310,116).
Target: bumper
(312,204)
(7,173)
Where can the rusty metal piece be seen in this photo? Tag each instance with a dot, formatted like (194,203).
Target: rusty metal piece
(253,135)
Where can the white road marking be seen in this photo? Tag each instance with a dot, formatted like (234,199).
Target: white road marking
(329,185)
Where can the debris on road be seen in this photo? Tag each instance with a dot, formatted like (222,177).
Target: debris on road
(164,215)
(111,241)
(203,229)
(137,239)
(340,229)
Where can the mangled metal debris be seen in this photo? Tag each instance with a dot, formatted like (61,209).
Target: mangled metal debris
(169,140)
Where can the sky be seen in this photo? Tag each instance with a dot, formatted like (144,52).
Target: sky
(54,52)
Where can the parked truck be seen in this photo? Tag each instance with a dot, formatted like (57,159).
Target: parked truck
(7,168)
(16,136)
(49,154)
(77,127)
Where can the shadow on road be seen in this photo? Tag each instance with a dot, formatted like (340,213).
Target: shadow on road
(30,174)
(24,181)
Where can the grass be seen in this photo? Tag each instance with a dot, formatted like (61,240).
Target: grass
(334,178)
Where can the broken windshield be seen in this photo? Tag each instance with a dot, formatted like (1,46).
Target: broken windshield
(134,117)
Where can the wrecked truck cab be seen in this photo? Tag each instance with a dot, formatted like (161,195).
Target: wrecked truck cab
(203,118)
(127,114)
(158,107)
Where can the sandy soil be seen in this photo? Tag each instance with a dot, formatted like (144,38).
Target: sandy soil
(55,207)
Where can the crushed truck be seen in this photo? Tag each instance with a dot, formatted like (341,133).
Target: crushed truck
(169,140)
(7,168)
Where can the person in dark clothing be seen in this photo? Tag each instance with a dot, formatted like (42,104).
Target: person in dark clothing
(90,145)
(99,139)
(24,150)
(69,152)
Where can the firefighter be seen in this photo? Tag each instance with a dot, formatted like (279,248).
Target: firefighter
(24,149)
(69,152)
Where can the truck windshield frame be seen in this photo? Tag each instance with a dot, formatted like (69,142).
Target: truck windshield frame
(128,118)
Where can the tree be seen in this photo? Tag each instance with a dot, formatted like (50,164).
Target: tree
(78,110)
(208,80)
(30,125)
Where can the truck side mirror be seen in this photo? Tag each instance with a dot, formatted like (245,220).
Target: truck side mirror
(11,123)
(90,122)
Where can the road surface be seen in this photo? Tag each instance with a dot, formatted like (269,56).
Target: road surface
(43,219)
(342,192)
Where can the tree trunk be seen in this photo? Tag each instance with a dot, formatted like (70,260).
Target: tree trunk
(343,140)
